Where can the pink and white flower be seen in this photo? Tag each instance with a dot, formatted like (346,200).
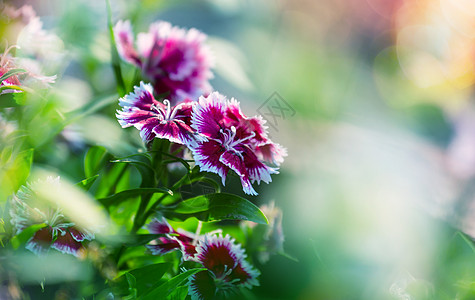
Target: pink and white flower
(234,142)
(155,119)
(174,59)
(58,233)
(173,240)
(227,268)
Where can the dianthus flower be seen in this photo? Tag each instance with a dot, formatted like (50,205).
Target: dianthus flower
(157,119)
(174,59)
(58,233)
(173,240)
(227,269)
(234,142)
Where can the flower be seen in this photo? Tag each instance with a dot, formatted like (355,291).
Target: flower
(227,269)
(156,119)
(174,59)
(58,233)
(234,142)
(39,49)
(173,240)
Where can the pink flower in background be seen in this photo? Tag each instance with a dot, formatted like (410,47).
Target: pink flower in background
(227,269)
(58,233)
(174,59)
(7,64)
(233,142)
(155,119)
(38,51)
(173,240)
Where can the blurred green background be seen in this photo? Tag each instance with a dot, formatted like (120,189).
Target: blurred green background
(374,104)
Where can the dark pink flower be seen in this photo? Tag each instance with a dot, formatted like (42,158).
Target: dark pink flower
(227,268)
(58,233)
(234,142)
(174,59)
(173,240)
(155,119)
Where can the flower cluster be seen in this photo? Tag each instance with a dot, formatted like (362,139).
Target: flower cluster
(58,233)
(174,59)
(225,261)
(220,136)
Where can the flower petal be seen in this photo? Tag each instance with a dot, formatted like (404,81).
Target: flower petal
(235,162)
(125,42)
(163,245)
(66,243)
(207,156)
(160,226)
(80,235)
(271,152)
(41,241)
(141,98)
(208,115)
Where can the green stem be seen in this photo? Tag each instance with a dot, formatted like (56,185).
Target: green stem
(115,59)
(139,219)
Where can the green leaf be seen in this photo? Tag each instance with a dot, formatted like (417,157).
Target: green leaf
(129,194)
(179,293)
(142,164)
(218,206)
(25,235)
(87,183)
(11,73)
(167,288)
(145,278)
(12,99)
(114,178)
(94,160)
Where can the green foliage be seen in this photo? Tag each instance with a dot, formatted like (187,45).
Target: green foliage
(131,194)
(167,288)
(95,160)
(216,207)
(12,99)
(87,183)
(14,170)
(141,280)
